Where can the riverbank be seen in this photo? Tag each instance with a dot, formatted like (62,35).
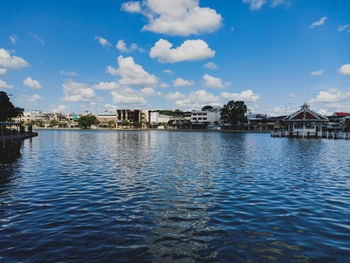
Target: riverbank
(150,129)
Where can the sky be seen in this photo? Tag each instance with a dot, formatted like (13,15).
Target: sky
(97,56)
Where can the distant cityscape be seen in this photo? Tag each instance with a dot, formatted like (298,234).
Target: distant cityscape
(208,118)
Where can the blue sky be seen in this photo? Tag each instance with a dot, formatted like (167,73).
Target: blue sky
(164,54)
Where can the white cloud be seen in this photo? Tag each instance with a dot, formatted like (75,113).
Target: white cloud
(213,82)
(107,86)
(211,65)
(3,71)
(110,108)
(28,98)
(332,96)
(131,7)
(318,22)
(128,98)
(66,73)
(168,71)
(59,109)
(176,17)
(39,39)
(189,50)
(164,85)
(77,92)
(132,73)
(246,96)
(317,73)
(175,96)
(4,85)
(13,39)
(292,95)
(121,46)
(180,82)
(103,42)
(345,69)
(32,83)
(343,27)
(275,3)
(197,99)
(148,92)
(11,62)
(232,28)
(255,4)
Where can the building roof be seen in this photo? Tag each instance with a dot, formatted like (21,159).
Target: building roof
(305,114)
(341,114)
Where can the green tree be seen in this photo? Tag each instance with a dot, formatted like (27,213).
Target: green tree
(233,114)
(7,109)
(54,123)
(111,124)
(86,121)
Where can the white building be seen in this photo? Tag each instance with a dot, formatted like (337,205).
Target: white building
(208,115)
(155,117)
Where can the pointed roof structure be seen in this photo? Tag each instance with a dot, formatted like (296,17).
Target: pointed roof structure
(305,114)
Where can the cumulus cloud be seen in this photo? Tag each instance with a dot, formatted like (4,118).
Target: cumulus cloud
(4,85)
(213,82)
(67,73)
(107,85)
(343,27)
(11,62)
(32,83)
(164,85)
(28,98)
(180,82)
(345,69)
(131,7)
(318,22)
(103,42)
(131,73)
(332,95)
(292,95)
(77,92)
(317,73)
(168,71)
(121,46)
(175,96)
(211,65)
(176,17)
(59,109)
(3,71)
(246,96)
(189,50)
(197,99)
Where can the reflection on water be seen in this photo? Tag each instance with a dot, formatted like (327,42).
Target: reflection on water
(175,197)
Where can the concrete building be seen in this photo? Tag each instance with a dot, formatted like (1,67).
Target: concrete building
(208,116)
(129,118)
(107,120)
(156,118)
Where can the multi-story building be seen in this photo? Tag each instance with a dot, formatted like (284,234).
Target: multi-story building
(132,118)
(209,117)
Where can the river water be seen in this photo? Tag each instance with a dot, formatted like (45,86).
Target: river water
(157,196)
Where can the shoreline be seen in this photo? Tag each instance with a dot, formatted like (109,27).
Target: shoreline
(150,129)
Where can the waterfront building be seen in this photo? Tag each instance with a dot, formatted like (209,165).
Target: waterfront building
(155,118)
(106,120)
(127,118)
(305,123)
(208,116)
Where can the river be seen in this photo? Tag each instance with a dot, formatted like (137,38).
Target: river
(157,196)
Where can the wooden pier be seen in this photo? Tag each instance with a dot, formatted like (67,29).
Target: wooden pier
(325,135)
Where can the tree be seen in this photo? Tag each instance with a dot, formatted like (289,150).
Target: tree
(54,123)
(233,114)
(7,109)
(111,124)
(85,122)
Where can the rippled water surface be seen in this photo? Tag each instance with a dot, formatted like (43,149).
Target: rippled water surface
(155,196)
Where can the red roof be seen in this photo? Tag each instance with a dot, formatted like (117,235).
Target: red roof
(342,114)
